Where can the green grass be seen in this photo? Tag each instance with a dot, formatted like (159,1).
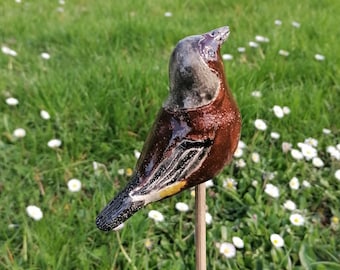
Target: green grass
(106,80)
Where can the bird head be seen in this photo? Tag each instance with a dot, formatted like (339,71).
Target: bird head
(196,70)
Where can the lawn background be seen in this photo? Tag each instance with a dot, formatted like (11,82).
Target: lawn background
(105,82)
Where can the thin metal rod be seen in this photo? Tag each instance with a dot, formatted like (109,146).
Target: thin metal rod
(200,227)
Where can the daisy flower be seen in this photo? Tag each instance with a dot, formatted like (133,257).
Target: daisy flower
(238,152)
(286,146)
(256,94)
(260,124)
(168,14)
(255,157)
(241,144)
(156,216)
(230,183)
(238,242)
(45,55)
(182,207)
(283,53)
(278,22)
(240,163)
(208,218)
(272,190)
(296,154)
(311,141)
(289,205)
(136,154)
(337,174)
(278,111)
(297,219)
(275,135)
(119,227)
(128,172)
(306,184)
(11,101)
(294,183)
(262,39)
(308,151)
(8,51)
(286,110)
(148,243)
(296,24)
(253,44)
(54,143)
(241,49)
(326,131)
(44,115)
(317,162)
(228,250)
(19,133)
(227,57)
(74,185)
(34,212)
(319,57)
(121,171)
(209,183)
(277,240)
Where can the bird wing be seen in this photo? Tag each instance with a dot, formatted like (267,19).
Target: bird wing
(169,176)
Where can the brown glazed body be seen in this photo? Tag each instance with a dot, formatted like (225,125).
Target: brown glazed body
(194,135)
(219,121)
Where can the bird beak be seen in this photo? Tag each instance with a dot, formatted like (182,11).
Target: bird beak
(211,42)
(218,35)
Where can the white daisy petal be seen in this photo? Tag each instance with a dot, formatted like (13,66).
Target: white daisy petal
(227,57)
(74,185)
(272,190)
(34,212)
(278,22)
(11,101)
(182,207)
(296,154)
(19,133)
(238,242)
(54,143)
(278,111)
(296,24)
(208,218)
(45,55)
(317,162)
(294,183)
(289,205)
(319,57)
(156,216)
(228,250)
(253,44)
(260,124)
(297,219)
(241,49)
(277,240)
(262,39)
(283,53)
(337,174)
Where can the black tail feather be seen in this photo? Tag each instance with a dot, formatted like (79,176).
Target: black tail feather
(117,211)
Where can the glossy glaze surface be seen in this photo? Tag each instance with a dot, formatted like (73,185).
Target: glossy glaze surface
(194,135)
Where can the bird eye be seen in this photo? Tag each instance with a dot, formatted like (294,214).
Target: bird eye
(211,53)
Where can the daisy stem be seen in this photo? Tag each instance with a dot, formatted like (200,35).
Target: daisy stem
(124,251)
(200,229)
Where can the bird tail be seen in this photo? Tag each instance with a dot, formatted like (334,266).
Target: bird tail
(117,211)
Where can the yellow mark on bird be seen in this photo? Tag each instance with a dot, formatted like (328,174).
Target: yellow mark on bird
(172,189)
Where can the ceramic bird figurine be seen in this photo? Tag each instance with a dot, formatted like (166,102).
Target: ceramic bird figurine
(194,135)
